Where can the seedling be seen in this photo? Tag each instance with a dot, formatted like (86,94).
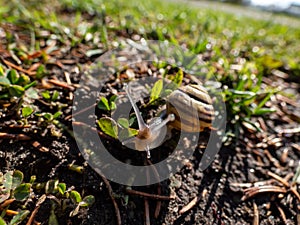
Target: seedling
(13,85)
(14,189)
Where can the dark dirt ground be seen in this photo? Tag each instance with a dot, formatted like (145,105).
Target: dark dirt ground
(227,191)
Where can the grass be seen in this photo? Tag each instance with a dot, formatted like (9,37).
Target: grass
(239,52)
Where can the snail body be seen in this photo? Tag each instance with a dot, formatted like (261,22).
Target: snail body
(188,109)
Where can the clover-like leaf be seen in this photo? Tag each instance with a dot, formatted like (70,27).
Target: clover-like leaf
(75,197)
(51,186)
(87,201)
(108,126)
(103,104)
(17,179)
(16,90)
(22,192)
(62,188)
(13,76)
(27,111)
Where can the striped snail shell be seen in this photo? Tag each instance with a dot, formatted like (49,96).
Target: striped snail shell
(192,107)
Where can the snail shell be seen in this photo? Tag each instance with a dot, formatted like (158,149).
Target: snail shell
(192,107)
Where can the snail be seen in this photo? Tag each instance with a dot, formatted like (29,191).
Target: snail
(188,108)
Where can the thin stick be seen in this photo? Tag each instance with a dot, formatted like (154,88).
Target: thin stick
(18,137)
(158,203)
(147,214)
(153,196)
(189,206)
(35,211)
(61,84)
(256,214)
(282,214)
(110,192)
(18,67)
(278,178)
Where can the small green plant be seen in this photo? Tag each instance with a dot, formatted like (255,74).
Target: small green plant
(14,190)
(107,104)
(13,84)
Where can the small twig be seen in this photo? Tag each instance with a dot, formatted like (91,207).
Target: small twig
(147,214)
(250,192)
(256,214)
(290,101)
(6,203)
(189,206)
(144,194)
(272,159)
(18,67)
(61,84)
(282,214)
(290,131)
(296,146)
(278,178)
(298,213)
(110,192)
(80,111)
(10,212)
(18,137)
(158,203)
(37,207)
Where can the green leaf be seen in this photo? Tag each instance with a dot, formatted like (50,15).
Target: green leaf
(123,122)
(156,90)
(16,90)
(32,93)
(4,81)
(57,114)
(27,111)
(40,71)
(23,80)
(13,76)
(263,111)
(55,95)
(178,77)
(26,87)
(48,116)
(75,197)
(242,93)
(8,180)
(103,104)
(51,186)
(17,219)
(87,201)
(262,103)
(17,179)
(127,133)
(113,106)
(46,95)
(62,188)
(1,70)
(2,222)
(108,126)
(22,192)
